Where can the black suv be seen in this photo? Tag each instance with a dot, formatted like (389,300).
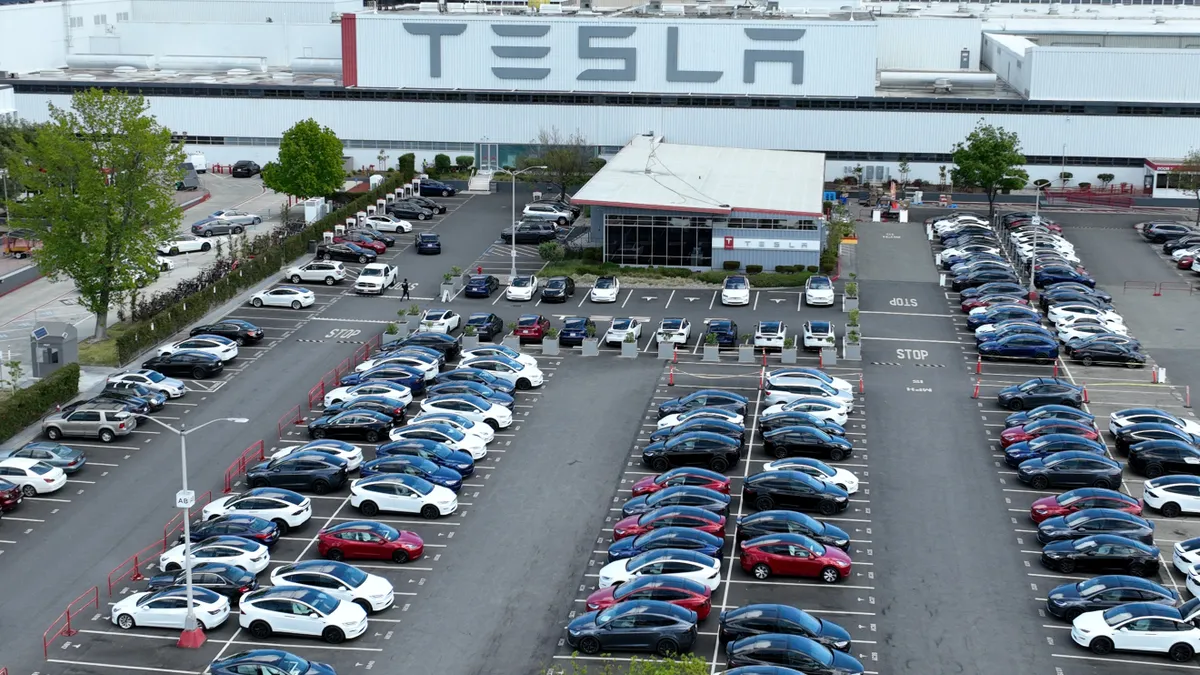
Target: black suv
(531,232)
(245,169)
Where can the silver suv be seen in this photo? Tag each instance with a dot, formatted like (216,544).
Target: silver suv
(105,421)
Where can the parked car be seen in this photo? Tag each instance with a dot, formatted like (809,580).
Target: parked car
(375,278)
(408,211)
(793,555)
(367,425)
(779,649)
(638,625)
(575,330)
(244,168)
(554,213)
(298,610)
(222,578)
(558,289)
(315,472)
(368,540)
(530,232)
(106,421)
(531,328)
(759,619)
(241,332)
(429,243)
(481,286)
(436,188)
(723,331)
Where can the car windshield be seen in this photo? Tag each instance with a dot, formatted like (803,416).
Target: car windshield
(819,283)
(672,324)
(292,664)
(736,282)
(371,272)
(527,321)
(604,282)
(477,279)
(323,602)
(557,283)
(521,282)
(621,324)
(1039,443)
(1116,615)
(435,316)
(477,319)
(768,327)
(1077,517)
(429,237)
(1091,587)
(41,468)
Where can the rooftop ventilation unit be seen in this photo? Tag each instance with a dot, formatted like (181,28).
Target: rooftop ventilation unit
(324,82)
(83,77)
(204,78)
(772,5)
(237,72)
(124,70)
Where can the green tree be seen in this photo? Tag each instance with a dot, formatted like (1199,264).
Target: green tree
(101,177)
(1185,177)
(905,169)
(1106,178)
(310,162)
(12,132)
(464,162)
(989,159)
(567,158)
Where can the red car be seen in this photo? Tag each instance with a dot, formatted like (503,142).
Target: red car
(794,555)
(1047,426)
(532,328)
(684,475)
(362,240)
(969,304)
(686,593)
(670,516)
(10,495)
(1185,263)
(368,540)
(1083,498)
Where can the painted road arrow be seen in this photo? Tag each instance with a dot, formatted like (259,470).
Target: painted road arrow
(691,299)
(649,297)
(777,299)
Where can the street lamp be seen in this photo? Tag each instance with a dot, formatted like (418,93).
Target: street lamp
(193,635)
(512,272)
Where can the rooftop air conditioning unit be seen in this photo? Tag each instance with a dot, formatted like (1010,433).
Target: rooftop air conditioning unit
(772,5)
(654,5)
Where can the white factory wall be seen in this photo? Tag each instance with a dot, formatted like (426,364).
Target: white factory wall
(39,35)
(839,57)
(1134,75)
(8,104)
(279,43)
(1009,56)
(926,43)
(928,173)
(241,11)
(363,157)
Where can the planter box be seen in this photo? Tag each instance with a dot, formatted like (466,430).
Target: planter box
(666,351)
(629,350)
(849,303)
(851,352)
(591,346)
(470,342)
(512,342)
(788,355)
(448,290)
(550,346)
(829,356)
(712,353)
(412,322)
(745,353)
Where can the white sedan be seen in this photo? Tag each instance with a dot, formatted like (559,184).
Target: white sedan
(236,216)
(385,223)
(521,375)
(1082,331)
(470,407)
(817,469)
(352,454)
(698,413)
(521,288)
(401,493)
(284,296)
(327,272)
(466,426)
(1143,627)
(680,563)
(1069,312)
(428,367)
(485,351)
(168,609)
(164,264)
(736,291)
(1122,418)
(184,243)
(621,329)
(439,321)
(397,393)
(245,553)
(152,380)
(970,249)
(1186,555)
(374,278)
(444,434)
(1115,325)
(818,291)
(770,335)
(285,508)
(32,476)
(806,373)
(298,610)
(676,330)
(370,591)
(209,344)
(826,409)
(819,334)
(606,289)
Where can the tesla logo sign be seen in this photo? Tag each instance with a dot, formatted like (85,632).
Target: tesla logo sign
(729,243)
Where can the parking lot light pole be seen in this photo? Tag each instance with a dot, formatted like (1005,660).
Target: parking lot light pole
(193,635)
(512,249)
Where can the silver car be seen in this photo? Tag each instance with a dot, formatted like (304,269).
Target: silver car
(91,420)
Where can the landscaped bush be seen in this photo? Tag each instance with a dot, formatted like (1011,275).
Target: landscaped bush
(731,265)
(675,272)
(464,162)
(828,261)
(784,269)
(26,406)
(441,163)
(813,269)
(408,164)
(593,254)
(753,269)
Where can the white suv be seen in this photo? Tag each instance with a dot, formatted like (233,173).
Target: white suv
(537,211)
(323,271)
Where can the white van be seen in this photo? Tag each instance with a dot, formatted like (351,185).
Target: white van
(198,162)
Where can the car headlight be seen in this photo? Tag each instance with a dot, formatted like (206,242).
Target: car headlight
(573,633)
(841,644)
(350,624)
(841,563)
(841,542)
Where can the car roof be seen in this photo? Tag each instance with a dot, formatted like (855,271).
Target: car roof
(684,510)
(278,493)
(649,607)
(698,435)
(674,554)
(1079,454)
(783,538)
(301,593)
(359,526)
(797,476)
(1175,479)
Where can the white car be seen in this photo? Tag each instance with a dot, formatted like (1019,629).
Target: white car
(606,289)
(351,454)
(1143,627)
(345,582)
(1072,311)
(806,373)
(34,477)
(818,292)
(466,426)
(486,351)
(818,335)
(398,393)
(1123,418)
(298,610)
(164,264)
(1115,325)
(237,217)
(669,561)
(284,296)
(439,321)
(184,243)
(327,272)
(152,380)
(209,344)
(1185,556)
(1189,252)
(789,388)
(826,409)
(1082,331)
(401,493)
(560,215)
(1172,495)
(521,375)
(168,609)
(470,407)
(442,433)
(285,508)
(429,369)
(385,223)
(969,249)
(736,290)
(989,328)
(620,329)
(374,278)
(247,554)
(817,469)
(521,288)
(770,335)
(675,419)
(676,330)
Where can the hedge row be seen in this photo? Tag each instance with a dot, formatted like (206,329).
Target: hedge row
(268,258)
(26,406)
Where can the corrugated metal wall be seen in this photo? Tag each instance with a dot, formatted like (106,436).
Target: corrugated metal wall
(766,255)
(927,43)
(238,11)
(1136,75)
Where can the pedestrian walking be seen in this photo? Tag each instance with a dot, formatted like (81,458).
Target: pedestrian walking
(404,290)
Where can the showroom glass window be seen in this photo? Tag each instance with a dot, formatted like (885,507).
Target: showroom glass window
(673,241)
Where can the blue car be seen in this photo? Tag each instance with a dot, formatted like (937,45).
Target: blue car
(481,286)
(429,243)
(1054,274)
(1082,288)
(69,460)
(436,188)
(483,391)
(240,525)
(677,495)
(724,329)
(1016,327)
(414,466)
(268,661)
(1047,445)
(407,376)
(1003,313)
(438,453)
(667,537)
(479,376)
(575,329)
(1062,412)
(1003,287)
(1036,347)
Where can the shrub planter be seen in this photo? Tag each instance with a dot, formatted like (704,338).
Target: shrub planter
(849,303)
(629,350)
(712,353)
(512,342)
(470,342)
(829,356)
(745,353)
(412,322)
(448,290)
(550,346)
(851,351)
(788,355)
(591,346)
(666,350)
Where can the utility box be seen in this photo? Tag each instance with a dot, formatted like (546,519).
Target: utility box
(53,345)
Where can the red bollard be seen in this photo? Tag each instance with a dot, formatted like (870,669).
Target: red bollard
(1085,394)
(975,394)
(764,358)
(1056,369)
(137,570)
(675,354)
(978,365)
(671,377)
(821,359)
(1154,376)
(860,383)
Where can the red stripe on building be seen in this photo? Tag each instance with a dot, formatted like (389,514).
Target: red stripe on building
(349,50)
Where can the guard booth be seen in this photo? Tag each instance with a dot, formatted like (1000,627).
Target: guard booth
(53,345)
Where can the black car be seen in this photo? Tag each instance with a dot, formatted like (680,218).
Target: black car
(1156,458)
(699,448)
(380,404)
(575,329)
(1089,522)
(345,251)
(792,651)
(750,620)
(1072,468)
(1186,241)
(1040,391)
(558,289)
(407,210)
(487,325)
(793,490)
(1108,353)
(436,188)
(134,406)
(241,525)
(636,625)
(705,398)
(1104,338)
(678,495)
(1044,446)
(429,243)
(531,232)
(244,168)
(228,580)
(1101,553)
(778,521)
(481,286)
(447,345)
(425,203)
(438,453)
(724,332)
(1070,600)
(1157,233)
(796,418)
(983,277)
(1131,435)
(1061,412)
(268,662)
(810,441)
(241,332)
(479,376)
(134,394)
(193,364)
(359,424)
(472,388)
(316,472)
(1065,295)
(714,425)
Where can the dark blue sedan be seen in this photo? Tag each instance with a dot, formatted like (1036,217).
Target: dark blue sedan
(438,453)
(236,525)
(268,661)
(667,537)
(714,424)
(678,495)
(1048,445)
(408,376)
(575,329)
(482,377)
(414,466)
(429,243)
(1036,347)
(481,286)
(1016,327)
(1062,285)
(1003,313)
(1020,419)
(436,188)
(483,391)
(992,289)
(726,332)
(1053,274)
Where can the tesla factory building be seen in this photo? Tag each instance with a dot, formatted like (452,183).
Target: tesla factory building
(1091,87)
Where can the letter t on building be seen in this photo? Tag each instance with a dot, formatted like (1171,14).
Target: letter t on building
(435,31)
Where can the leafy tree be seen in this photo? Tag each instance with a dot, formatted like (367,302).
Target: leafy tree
(101,177)
(1186,178)
(905,169)
(1106,178)
(464,162)
(11,133)
(310,162)
(408,163)
(567,158)
(441,164)
(551,251)
(989,159)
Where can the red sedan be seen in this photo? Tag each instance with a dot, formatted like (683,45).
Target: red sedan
(670,516)
(684,475)
(1047,426)
(531,328)
(368,540)
(794,555)
(364,241)
(10,495)
(1083,498)
(969,304)
(1185,263)
(680,591)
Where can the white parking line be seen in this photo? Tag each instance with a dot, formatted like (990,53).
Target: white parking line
(94,664)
